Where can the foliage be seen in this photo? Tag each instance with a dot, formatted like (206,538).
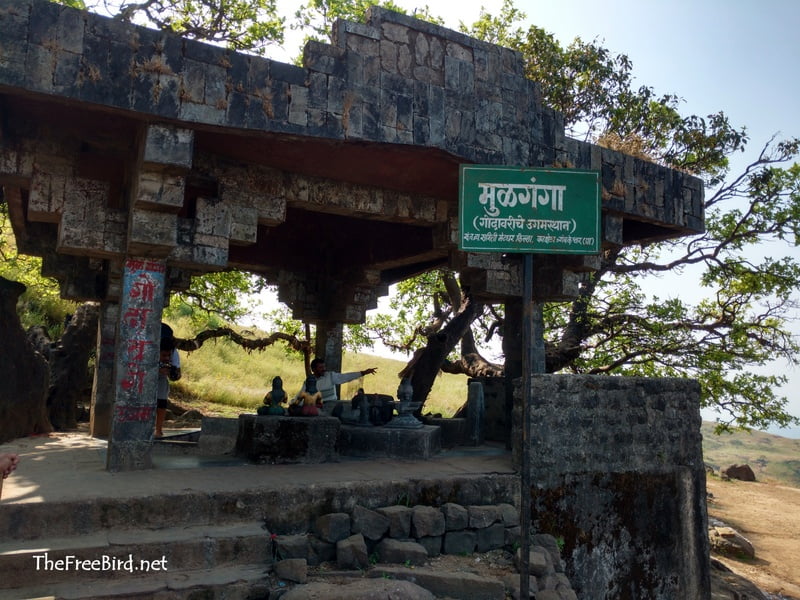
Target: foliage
(41,303)
(214,298)
(238,24)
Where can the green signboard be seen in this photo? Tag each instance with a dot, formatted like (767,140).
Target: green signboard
(514,209)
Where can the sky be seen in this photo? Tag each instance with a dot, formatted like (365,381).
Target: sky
(738,56)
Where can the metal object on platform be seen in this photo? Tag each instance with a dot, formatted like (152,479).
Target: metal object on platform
(405,418)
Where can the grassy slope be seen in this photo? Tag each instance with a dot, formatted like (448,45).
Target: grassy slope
(772,457)
(223,379)
(224,374)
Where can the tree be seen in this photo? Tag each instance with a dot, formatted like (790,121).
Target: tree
(249,25)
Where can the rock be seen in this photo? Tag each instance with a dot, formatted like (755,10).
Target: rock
(726,540)
(371,524)
(740,472)
(292,569)
(483,516)
(399,520)
(456,516)
(727,585)
(426,521)
(395,551)
(333,527)
(351,553)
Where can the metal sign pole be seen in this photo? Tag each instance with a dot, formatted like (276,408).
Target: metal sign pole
(533,361)
(527,369)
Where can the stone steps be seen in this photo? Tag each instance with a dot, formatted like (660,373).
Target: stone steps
(232,582)
(118,556)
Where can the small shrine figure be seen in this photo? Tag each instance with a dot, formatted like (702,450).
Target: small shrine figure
(274,399)
(309,400)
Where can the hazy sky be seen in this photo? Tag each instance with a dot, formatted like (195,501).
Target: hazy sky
(738,56)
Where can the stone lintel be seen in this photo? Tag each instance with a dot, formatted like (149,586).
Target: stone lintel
(151,234)
(167,148)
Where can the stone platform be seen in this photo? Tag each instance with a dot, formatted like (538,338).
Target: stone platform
(275,439)
(421,443)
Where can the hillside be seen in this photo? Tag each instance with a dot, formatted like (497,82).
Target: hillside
(773,458)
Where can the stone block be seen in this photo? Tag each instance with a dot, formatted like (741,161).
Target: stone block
(383,441)
(399,520)
(320,551)
(432,544)
(460,542)
(351,553)
(371,524)
(462,585)
(402,552)
(292,546)
(274,439)
(483,516)
(426,521)
(159,190)
(292,569)
(491,538)
(333,527)
(455,516)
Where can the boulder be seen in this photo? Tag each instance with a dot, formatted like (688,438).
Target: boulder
(740,472)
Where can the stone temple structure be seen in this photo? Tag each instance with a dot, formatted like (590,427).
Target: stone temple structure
(132,160)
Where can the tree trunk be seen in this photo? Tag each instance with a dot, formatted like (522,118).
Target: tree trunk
(429,362)
(69,376)
(23,373)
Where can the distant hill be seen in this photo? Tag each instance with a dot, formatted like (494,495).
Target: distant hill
(773,458)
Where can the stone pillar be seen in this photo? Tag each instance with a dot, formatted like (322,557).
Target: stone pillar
(476,413)
(329,344)
(512,350)
(619,475)
(136,365)
(103,385)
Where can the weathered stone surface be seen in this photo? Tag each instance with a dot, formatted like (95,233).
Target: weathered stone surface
(432,544)
(455,516)
(459,542)
(491,537)
(396,551)
(726,540)
(274,439)
(427,521)
(333,527)
(351,553)
(292,569)
(483,516)
(292,546)
(642,439)
(399,520)
(369,523)
(539,561)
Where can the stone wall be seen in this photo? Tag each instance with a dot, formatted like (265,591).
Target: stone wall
(617,471)
(410,535)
